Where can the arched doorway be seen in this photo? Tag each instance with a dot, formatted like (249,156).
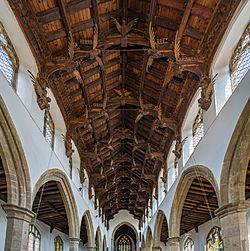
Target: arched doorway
(125,238)
(98,240)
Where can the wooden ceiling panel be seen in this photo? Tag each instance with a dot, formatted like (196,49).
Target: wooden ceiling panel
(120,83)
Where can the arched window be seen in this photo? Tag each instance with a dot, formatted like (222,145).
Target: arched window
(49,128)
(58,243)
(198,129)
(124,244)
(8,57)
(34,239)
(214,240)
(240,61)
(189,245)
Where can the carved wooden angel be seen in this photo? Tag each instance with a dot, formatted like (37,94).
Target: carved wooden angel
(94,53)
(155,52)
(124,29)
(40,85)
(178,148)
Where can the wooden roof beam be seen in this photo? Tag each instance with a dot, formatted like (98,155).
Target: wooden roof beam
(184,20)
(65,17)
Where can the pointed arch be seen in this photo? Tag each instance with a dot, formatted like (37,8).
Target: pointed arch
(86,219)
(14,161)
(182,190)
(64,187)
(233,175)
(98,239)
(160,220)
(149,239)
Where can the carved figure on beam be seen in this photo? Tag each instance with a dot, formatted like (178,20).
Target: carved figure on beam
(179,143)
(94,53)
(40,86)
(124,29)
(155,51)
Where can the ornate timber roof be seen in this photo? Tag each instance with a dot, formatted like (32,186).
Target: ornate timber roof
(123,73)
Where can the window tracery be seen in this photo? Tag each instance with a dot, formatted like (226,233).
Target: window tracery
(189,245)
(8,58)
(240,61)
(214,240)
(198,128)
(49,128)
(34,239)
(58,243)
(124,244)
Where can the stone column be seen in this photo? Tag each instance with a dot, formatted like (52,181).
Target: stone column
(18,221)
(91,248)
(233,222)
(174,243)
(73,244)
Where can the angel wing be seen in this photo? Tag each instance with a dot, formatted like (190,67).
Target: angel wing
(152,36)
(117,24)
(95,38)
(130,25)
(149,63)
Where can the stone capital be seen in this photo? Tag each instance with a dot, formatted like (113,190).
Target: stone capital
(19,213)
(74,239)
(173,240)
(157,248)
(232,208)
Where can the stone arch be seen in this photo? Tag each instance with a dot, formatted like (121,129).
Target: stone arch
(158,227)
(232,182)
(14,161)
(90,229)
(125,223)
(98,238)
(64,187)
(143,244)
(149,239)
(182,189)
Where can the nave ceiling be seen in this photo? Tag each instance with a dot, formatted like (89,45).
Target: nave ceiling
(123,73)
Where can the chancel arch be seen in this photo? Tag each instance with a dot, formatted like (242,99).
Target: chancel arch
(160,230)
(125,237)
(14,168)
(54,203)
(195,201)
(87,231)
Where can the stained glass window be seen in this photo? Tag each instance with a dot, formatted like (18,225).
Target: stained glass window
(34,239)
(49,128)
(240,61)
(58,244)
(214,240)
(198,128)
(189,245)
(8,57)
(124,244)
